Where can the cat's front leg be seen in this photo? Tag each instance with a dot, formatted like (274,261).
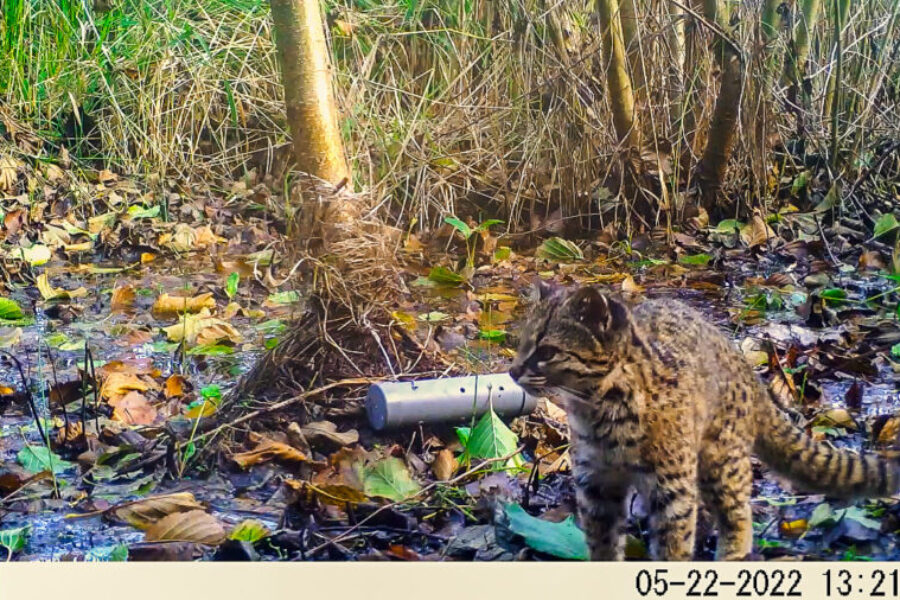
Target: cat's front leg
(602,512)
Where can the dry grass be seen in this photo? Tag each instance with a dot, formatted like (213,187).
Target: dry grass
(490,108)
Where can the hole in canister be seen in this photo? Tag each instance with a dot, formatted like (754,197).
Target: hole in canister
(462,390)
(501,388)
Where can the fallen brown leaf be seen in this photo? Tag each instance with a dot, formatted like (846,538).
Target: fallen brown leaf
(328,430)
(134,409)
(333,494)
(147,511)
(122,298)
(192,526)
(117,385)
(444,465)
(175,386)
(757,232)
(267,450)
(134,366)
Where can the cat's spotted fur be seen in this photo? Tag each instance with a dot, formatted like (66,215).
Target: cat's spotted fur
(658,399)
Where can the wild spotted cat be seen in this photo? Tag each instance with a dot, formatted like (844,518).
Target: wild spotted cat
(658,399)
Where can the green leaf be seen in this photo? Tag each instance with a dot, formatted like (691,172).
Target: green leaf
(231,285)
(822,516)
(10,310)
(800,183)
(190,449)
(211,391)
(560,250)
(271,327)
(487,224)
(161,346)
(460,226)
(444,276)
(117,553)
(563,539)
(885,224)
(697,259)
(38,458)
(249,530)
(833,296)
(729,226)
(832,198)
(895,350)
(855,513)
(502,253)
(464,433)
(434,316)
(389,478)
(210,350)
(137,211)
(493,335)
(14,539)
(491,438)
(287,297)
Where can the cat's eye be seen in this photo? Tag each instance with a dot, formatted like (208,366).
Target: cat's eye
(544,354)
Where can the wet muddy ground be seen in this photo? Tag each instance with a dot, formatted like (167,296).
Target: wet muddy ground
(846,399)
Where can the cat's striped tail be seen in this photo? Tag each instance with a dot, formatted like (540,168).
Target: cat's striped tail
(819,467)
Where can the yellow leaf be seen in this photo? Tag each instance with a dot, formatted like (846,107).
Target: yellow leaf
(80,247)
(404,318)
(630,287)
(101,222)
(204,237)
(117,385)
(205,409)
(8,173)
(794,528)
(170,306)
(51,293)
(202,329)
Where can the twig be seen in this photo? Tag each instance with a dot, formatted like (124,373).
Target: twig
(28,396)
(424,490)
(285,403)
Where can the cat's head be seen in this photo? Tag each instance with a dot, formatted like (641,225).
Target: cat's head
(567,343)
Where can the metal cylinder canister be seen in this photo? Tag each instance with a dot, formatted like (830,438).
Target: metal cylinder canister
(394,404)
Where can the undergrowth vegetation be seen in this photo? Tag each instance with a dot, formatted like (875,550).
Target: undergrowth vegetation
(479,108)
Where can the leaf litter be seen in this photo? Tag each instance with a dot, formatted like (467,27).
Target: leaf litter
(148,329)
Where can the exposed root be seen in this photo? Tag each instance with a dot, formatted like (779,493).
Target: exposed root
(346,331)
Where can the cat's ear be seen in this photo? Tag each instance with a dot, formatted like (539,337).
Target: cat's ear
(541,290)
(603,315)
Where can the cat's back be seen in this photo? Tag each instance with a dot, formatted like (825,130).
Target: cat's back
(690,345)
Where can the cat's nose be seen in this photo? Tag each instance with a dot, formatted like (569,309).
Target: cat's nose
(516,371)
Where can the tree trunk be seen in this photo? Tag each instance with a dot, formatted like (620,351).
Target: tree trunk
(795,61)
(628,16)
(311,114)
(621,95)
(723,127)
